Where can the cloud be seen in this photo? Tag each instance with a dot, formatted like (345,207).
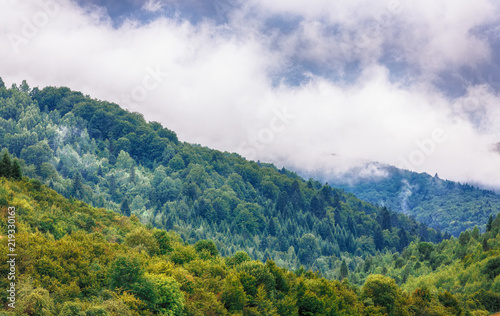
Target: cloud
(227,84)
(152,6)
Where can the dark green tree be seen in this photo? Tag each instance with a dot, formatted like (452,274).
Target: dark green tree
(77,185)
(344,271)
(490,221)
(5,166)
(485,245)
(125,208)
(386,219)
(16,174)
(378,238)
(132,177)
(208,246)
(404,241)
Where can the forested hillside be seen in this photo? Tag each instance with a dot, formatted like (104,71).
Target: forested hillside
(467,266)
(97,152)
(446,205)
(73,259)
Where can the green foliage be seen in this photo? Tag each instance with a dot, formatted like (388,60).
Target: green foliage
(383,291)
(492,267)
(207,246)
(89,261)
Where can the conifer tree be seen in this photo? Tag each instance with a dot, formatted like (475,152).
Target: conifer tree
(16,174)
(485,244)
(125,208)
(5,166)
(386,219)
(77,185)
(344,272)
(490,222)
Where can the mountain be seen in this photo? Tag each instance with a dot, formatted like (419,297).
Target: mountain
(74,259)
(441,204)
(97,152)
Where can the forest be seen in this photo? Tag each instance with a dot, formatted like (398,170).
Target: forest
(100,193)
(93,261)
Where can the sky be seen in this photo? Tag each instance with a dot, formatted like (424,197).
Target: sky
(317,85)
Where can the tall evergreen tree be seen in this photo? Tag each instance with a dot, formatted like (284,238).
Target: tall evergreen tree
(485,244)
(344,272)
(77,185)
(125,208)
(490,222)
(16,174)
(378,238)
(132,176)
(386,219)
(5,166)
(403,239)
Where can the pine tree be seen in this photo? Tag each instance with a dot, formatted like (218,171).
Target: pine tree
(6,166)
(131,179)
(125,208)
(344,272)
(17,174)
(403,239)
(386,219)
(485,244)
(271,229)
(77,185)
(490,222)
(378,238)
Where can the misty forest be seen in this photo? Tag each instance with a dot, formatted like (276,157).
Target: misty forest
(117,216)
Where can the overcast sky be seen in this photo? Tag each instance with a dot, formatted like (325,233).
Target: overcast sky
(311,85)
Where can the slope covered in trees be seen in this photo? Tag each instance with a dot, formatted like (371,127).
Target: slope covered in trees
(467,266)
(73,259)
(99,153)
(441,204)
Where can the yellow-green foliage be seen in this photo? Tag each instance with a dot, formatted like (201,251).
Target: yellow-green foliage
(73,259)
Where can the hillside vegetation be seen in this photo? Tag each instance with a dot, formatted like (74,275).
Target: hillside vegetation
(74,259)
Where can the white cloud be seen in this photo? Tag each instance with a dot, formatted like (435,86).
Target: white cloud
(152,6)
(215,88)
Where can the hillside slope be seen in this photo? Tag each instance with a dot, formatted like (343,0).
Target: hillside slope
(73,259)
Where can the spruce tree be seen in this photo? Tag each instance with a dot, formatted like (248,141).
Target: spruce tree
(77,185)
(490,222)
(16,174)
(485,244)
(386,219)
(131,178)
(5,166)
(125,208)
(344,272)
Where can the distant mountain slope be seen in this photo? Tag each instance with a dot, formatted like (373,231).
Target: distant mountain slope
(97,152)
(446,205)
